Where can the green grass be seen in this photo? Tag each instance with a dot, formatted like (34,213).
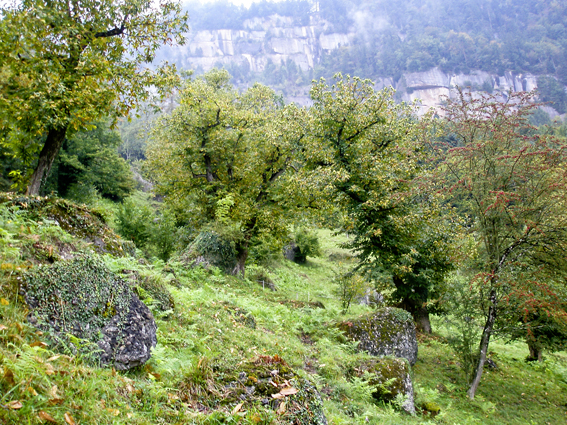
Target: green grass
(206,336)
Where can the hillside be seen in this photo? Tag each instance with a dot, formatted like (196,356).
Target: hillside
(492,45)
(218,324)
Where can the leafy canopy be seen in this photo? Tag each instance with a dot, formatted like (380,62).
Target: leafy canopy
(64,64)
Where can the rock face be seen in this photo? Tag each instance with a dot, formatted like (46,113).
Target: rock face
(391,378)
(388,332)
(278,39)
(272,39)
(82,298)
(127,343)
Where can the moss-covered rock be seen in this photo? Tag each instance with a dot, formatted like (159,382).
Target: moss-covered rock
(77,220)
(387,332)
(151,289)
(391,379)
(86,308)
(265,383)
(240,315)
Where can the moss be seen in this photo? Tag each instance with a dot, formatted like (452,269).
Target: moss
(387,376)
(151,290)
(76,297)
(258,385)
(431,407)
(388,331)
(77,220)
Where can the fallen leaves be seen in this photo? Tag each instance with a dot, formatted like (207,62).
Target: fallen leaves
(237,408)
(46,417)
(14,405)
(69,419)
(285,392)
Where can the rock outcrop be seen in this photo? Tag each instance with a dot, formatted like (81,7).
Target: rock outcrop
(387,332)
(85,307)
(391,380)
(278,39)
(266,382)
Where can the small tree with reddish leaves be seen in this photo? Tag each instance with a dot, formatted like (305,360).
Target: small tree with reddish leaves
(511,186)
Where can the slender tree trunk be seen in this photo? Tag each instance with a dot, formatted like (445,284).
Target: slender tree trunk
(484,341)
(53,143)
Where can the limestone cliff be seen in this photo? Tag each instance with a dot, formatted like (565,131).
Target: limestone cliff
(273,39)
(277,39)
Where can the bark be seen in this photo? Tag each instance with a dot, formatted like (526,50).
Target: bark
(241,256)
(484,341)
(535,352)
(421,319)
(53,143)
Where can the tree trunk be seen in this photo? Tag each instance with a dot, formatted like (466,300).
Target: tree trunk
(53,143)
(484,341)
(241,256)
(535,351)
(421,319)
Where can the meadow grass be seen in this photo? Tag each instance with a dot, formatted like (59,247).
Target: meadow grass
(222,321)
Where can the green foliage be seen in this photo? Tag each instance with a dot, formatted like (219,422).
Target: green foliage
(350,286)
(224,156)
(463,323)
(76,297)
(90,159)
(218,246)
(65,67)
(509,182)
(308,244)
(552,91)
(133,217)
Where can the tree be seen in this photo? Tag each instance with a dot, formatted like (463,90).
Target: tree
(65,64)
(363,154)
(510,183)
(221,157)
(88,159)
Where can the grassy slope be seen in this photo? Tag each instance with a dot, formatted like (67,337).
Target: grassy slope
(205,335)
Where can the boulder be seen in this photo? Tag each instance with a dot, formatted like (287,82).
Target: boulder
(261,384)
(85,307)
(387,332)
(391,379)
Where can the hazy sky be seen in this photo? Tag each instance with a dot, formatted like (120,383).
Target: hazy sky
(246,3)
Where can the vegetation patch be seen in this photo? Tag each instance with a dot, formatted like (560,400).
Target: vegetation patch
(264,383)
(73,300)
(79,221)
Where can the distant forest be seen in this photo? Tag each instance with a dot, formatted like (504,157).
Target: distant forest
(392,37)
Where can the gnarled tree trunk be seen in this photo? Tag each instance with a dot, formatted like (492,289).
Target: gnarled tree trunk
(53,143)
(535,351)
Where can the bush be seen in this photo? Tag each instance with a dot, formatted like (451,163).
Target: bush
(217,245)
(305,244)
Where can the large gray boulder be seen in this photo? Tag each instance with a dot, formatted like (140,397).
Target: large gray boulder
(387,332)
(85,307)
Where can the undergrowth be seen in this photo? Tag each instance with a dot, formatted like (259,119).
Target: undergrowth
(217,323)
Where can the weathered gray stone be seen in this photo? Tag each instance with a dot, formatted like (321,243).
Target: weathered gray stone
(82,300)
(387,332)
(128,343)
